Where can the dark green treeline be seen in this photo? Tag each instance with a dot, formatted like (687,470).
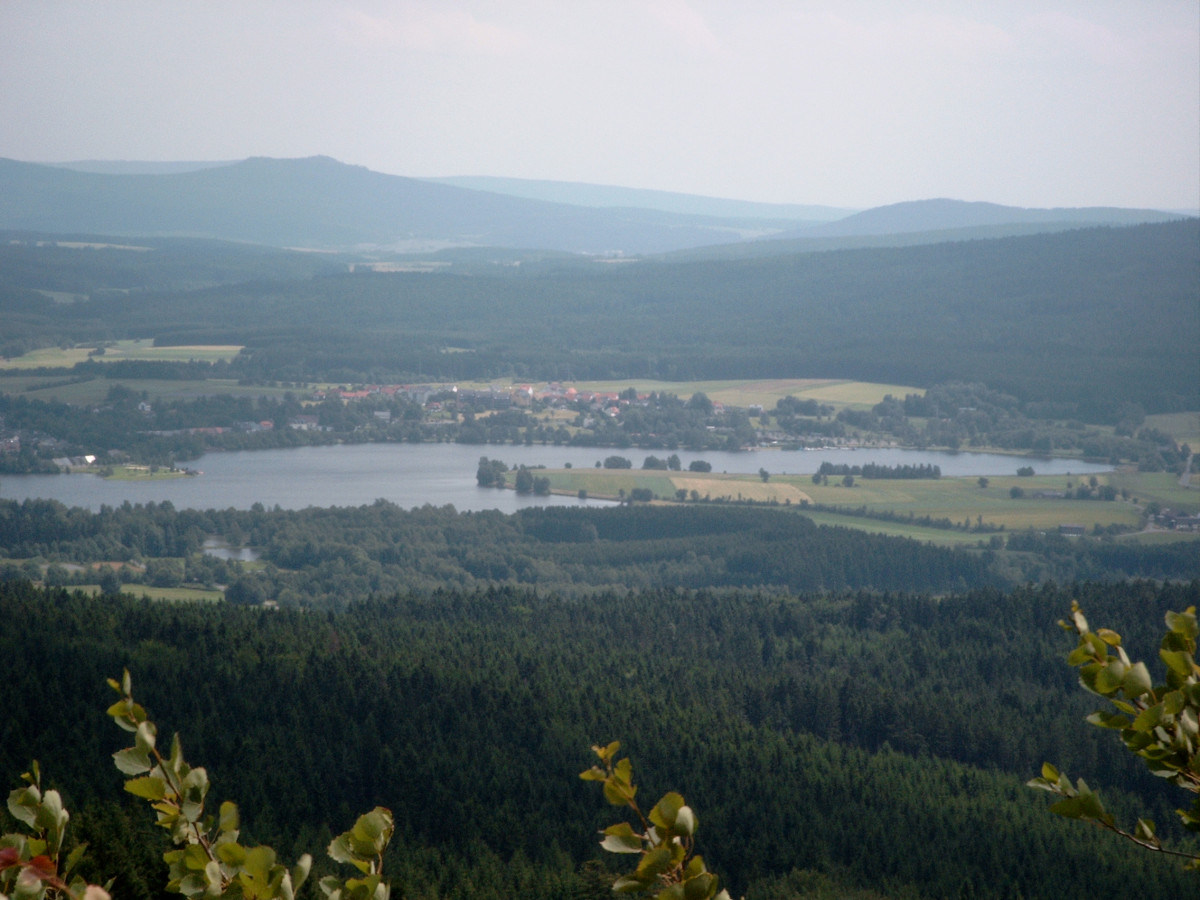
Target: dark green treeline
(880,739)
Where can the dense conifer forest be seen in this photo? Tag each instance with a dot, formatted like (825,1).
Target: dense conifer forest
(1093,317)
(874,741)
(326,558)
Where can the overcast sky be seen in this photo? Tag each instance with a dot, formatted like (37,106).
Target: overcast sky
(855,104)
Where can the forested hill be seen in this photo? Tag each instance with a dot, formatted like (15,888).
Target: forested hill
(321,203)
(1095,317)
(875,743)
(940,214)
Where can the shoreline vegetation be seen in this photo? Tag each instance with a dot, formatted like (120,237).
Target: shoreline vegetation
(648,418)
(951,510)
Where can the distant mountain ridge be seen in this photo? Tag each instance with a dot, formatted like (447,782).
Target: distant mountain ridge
(941,214)
(320,203)
(140,167)
(600,195)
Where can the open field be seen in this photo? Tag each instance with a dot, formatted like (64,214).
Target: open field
(1162,488)
(607,482)
(741,488)
(166,594)
(1184,427)
(858,394)
(145,473)
(56,357)
(767,393)
(957,499)
(941,536)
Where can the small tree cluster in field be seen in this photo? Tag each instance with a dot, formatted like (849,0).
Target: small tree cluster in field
(1159,723)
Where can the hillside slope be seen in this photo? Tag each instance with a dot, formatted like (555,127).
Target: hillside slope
(319,203)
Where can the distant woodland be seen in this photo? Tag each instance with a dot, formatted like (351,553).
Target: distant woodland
(326,558)
(1090,318)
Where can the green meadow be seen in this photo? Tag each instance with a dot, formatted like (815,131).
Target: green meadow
(961,500)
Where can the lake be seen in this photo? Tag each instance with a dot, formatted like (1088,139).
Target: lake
(417,474)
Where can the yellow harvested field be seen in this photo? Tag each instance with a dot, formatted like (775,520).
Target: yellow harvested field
(740,489)
(764,393)
(858,393)
(56,357)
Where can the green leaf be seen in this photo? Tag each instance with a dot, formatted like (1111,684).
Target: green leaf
(230,852)
(144,736)
(1137,680)
(372,832)
(1108,720)
(621,838)
(1177,661)
(228,818)
(664,812)
(300,871)
(1079,655)
(1147,719)
(700,887)
(149,787)
(1110,677)
(1172,703)
(1145,831)
(23,803)
(1183,623)
(654,864)
(259,861)
(628,884)
(133,761)
(685,822)
(618,793)
(193,791)
(1069,807)
(341,850)
(121,712)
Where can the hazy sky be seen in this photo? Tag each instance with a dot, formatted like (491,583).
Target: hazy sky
(1026,102)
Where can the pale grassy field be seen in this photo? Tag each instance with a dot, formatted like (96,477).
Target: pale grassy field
(165,594)
(741,488)
(957,499)
(607,482)
(56,357)
(763,393)
(1161,487)
(144,473)
(1184,427)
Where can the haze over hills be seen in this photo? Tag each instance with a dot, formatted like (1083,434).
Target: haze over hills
(940,214)
(319,203)
(600,195)
(140,167)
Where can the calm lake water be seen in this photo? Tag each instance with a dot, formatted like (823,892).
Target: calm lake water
(416,474)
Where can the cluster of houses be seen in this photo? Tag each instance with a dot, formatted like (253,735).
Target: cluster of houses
(1177,521)
(499,397)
